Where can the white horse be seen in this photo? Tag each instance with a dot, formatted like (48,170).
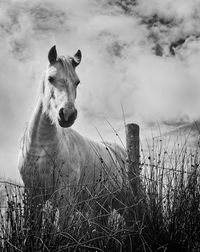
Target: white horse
(53,155)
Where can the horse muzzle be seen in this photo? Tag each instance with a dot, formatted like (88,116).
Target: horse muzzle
(67,117)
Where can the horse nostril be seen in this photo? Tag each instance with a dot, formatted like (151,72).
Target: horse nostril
(73,116)
(75,112)
(61,113)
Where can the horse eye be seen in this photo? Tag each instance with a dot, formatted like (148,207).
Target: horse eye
(51,79)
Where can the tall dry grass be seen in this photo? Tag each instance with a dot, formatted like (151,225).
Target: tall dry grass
(164,217)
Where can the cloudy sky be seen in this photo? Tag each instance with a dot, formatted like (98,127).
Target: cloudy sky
(141,55)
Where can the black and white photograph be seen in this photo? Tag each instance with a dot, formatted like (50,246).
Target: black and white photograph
(100,125)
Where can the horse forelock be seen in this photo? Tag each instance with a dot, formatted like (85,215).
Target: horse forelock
(67,65)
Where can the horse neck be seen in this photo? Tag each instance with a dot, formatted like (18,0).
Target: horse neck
(40,131)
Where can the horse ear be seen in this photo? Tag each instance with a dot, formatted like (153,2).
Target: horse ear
(52,55)
(77,58)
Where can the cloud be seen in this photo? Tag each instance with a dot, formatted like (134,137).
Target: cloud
(141,55)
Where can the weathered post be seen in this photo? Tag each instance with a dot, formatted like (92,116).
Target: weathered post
(133,152)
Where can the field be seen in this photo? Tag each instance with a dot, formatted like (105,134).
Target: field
(164,214)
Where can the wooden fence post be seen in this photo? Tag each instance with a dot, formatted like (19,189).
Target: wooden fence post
(133,152)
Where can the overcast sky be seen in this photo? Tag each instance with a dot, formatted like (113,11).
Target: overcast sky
(142,55)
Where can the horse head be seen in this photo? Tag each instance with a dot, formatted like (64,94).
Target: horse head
(60,87)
